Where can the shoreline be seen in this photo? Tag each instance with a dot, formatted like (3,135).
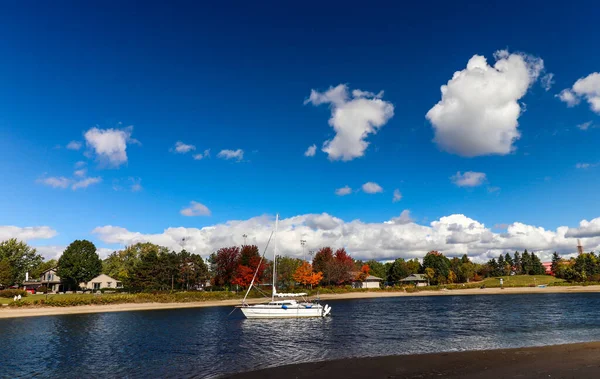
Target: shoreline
(33,311)
(578,360)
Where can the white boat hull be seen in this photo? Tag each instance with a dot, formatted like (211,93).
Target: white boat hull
(277,311)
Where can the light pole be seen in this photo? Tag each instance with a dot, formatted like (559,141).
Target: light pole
(303,242)
(311,253)
(245,236)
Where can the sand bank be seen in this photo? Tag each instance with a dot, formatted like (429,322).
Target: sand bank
(560,361)
(10,312)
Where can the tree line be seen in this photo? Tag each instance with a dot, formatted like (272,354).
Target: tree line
(583,268)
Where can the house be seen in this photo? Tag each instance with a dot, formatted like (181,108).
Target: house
(100,282)
(369,282)
(49,279)
(417,279)
(548,268)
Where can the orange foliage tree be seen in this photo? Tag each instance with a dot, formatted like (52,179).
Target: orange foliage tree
(364,273)
(305,275)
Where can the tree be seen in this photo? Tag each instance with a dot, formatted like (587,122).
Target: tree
(323,262)
(343,265)
(192,271)
(377,268)
(286,268)
(6,273)
(429,274)
(224,264)
(439,263)
(146,273)
(120,264)
(501,266)
(509,263)
(397,271)
(526,263)
(555,262)
(363,274)
(517,263)
(306,276)
(451,277)
(20,257)
(43,267)
(79,263)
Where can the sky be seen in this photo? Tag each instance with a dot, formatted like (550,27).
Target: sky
(390,130)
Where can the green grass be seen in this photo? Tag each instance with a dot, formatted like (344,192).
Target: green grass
(511,281)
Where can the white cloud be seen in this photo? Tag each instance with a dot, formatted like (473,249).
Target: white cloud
(55,181)
(352,119)
(479,110)
(587,88)
(468,179)
(74,145)
(343,191)
(182,148)
(397,196)
(586,229)
(585,165)
(231,154)
(371,187)
(195,209)
(453,235)
(585,125)
(547,81)
(26,233)
(200,156)
(567,96)
(80,173)
(85,183)
(54,252)
(136,184)
(110,145)
(80,164)
(311,151)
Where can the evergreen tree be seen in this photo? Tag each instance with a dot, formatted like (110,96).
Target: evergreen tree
(518,264)
(509,263)
(555,261)
(526,263)
(501,266)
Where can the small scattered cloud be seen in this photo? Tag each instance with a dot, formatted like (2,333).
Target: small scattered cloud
(80,173)
(371,188)
(353,118)
(479,110)
(182,148)
(136,184)
(80,164)
(547,81)
(584,166)
(231,154)
(587,88)
(204,155)
(397,196)
(74,145)
(311,151)
(468,179)
(63,183)
(343,191)
(85,183)
(585,125)
(26,233)
(404,218)
(195,209)
(55,181)
(110,145)
(493,189)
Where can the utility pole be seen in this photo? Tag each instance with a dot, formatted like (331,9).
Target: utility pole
(311,253)
(303,242)
(245,236)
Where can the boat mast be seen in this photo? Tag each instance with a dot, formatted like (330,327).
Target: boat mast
(275,258)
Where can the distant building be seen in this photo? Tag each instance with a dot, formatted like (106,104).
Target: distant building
(548,268)
(417,279)
(101,281)
(370,281)
(49,279)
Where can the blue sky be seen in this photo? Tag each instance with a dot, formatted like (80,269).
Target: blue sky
(236,76)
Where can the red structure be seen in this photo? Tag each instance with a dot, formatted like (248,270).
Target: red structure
(548,267)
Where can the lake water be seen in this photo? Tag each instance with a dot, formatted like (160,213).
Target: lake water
(206,342)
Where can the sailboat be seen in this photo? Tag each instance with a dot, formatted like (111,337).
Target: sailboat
(282,305)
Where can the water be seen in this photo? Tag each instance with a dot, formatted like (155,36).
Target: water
(204,342)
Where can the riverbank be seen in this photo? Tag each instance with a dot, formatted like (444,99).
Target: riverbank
(32,311)
(559,361)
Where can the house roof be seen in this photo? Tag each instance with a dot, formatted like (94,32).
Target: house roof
(372,277)
(414,278)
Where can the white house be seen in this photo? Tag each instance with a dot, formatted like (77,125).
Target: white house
(48,279)
(418,280)
(369,282)
(101,281)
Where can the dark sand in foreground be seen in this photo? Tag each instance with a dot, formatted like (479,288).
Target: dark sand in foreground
(580,360)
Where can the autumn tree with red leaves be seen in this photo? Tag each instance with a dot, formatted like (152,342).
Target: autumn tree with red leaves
(224,265)
(323,262)
(343,265)
(306,276)
(363,273)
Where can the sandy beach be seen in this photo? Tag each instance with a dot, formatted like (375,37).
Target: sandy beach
(559,361)
(11,312)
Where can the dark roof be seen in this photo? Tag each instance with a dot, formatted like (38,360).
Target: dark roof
(414,278)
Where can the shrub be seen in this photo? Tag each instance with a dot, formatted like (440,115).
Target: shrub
(41,289)
(12,293)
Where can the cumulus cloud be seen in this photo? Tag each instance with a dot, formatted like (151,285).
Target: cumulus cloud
(85,183)
(200,156)
(310,152)
(479,110)
(586,229)
(231,154)
(182,148)
(353,118)
(397,196)
(74,145)
(468,179)
(110,145)
(343,191)
(195,209)
(26,233)
(453,235)
(587,88)
(371,188)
